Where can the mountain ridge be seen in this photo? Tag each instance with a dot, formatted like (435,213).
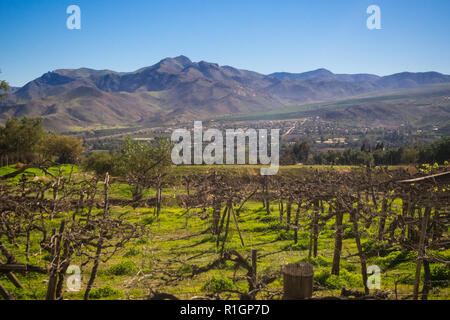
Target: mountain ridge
(178,88)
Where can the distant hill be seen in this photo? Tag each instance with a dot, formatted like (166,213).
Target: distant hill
(424,107)
(324,74)
(178,89)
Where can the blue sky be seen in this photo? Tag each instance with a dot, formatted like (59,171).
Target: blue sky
(264,35)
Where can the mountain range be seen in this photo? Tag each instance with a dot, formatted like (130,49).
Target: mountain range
(177,89)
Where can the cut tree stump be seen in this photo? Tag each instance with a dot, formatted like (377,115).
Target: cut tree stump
(298,281)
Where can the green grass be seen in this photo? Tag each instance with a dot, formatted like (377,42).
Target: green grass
(177,242)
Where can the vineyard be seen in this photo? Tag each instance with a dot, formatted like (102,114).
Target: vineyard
(206,233)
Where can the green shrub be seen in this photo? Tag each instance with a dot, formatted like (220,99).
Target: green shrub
(299,246)
(123,268)
(350,279)
(327,233)
(259,229)
(372,248)
(227,265)
(349,266)
(440,275)
(185,269)
(319,261)
(275,226)
(142,240)
(394,258)
(132,253)
(303,235)
(334,282)
(47,257)
(268,219)
(321,277)
(284,235)
(345,279)
(105,292)
(348,233)
(218,284)
(443,255)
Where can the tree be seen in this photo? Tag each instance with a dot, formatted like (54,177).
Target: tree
(143,164)
(301,150)
(366,146)
(436,152)
(409,156)
(4,87)
(65,149)
(298,152)
(21,136)
(442,150)
(100,162)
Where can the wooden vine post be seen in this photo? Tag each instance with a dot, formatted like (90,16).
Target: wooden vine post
(298,281)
